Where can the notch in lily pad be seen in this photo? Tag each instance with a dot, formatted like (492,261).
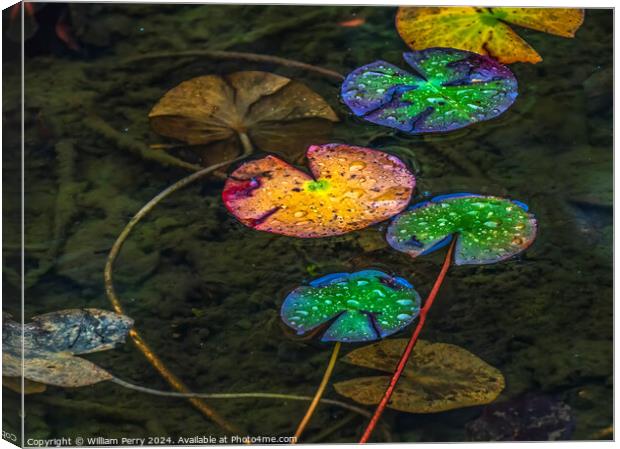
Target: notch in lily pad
(349,188)
(352,307)
(478,229)
(484,30)
(447,89)
(438,377)
(224,116)
(487,229)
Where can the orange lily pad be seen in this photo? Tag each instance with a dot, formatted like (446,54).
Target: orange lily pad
(484,31)
(214,113)
(349,188)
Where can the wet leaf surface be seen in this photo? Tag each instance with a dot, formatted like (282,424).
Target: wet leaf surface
(51,342)
(488,229)
(438,377)
(363,306)
(447,89)
(484,30)
(209,112)
(350,188)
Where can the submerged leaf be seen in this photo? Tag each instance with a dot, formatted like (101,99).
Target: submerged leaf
(488,229)
(350,188)
(30,387)
(484,30)
(364,306)
(210,112)
(448,89)
(51,341)
(438,377)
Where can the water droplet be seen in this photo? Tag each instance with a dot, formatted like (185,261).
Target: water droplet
(300,213)
(405,302)
(353,303)
(357,165)
(404,316)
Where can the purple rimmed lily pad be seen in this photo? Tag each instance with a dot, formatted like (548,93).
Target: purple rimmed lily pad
(448,89)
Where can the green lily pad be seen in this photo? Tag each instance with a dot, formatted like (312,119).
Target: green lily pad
(363,306)
(448,89)
(488,229)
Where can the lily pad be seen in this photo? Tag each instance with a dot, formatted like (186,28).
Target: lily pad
(51,341)
(438,377)
(488,229)
(484,30)
(363,306)
(447,90)
(350,188)
(211,112)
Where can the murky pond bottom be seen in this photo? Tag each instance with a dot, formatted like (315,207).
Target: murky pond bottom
(205,291)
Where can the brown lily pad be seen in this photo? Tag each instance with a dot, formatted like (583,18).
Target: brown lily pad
(211,112)
(438,377)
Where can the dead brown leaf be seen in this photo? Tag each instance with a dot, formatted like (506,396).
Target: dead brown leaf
(210,112)
(438,377)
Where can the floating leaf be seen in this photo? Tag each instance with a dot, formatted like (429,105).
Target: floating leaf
(51,341)
(438,377)
(211,112)
(362,306)
(484,30)
(488,229)
(447,90)
(350,188)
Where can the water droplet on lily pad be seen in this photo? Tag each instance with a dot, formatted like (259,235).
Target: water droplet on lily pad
(270,195)
(363,306)
(430,225)
(447,89)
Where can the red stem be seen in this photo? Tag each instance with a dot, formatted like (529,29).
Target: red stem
(412,341)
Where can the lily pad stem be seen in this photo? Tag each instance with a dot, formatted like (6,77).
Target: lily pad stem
(246,143)
(258,395)
(412,341)
(148,353)
(253,57)
(319,392)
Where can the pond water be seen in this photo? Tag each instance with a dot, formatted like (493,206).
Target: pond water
(205,291)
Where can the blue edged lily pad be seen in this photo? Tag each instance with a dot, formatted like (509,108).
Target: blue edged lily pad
(448,89)
(363,306)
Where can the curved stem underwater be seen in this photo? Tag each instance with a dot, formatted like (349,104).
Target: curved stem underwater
(257,395)
(153,359)
(319,392)
(412,341)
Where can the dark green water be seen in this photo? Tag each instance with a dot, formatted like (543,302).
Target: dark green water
(205,291)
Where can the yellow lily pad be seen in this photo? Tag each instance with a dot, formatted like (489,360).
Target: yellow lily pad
(211,112)
(484,31)
(438,377)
